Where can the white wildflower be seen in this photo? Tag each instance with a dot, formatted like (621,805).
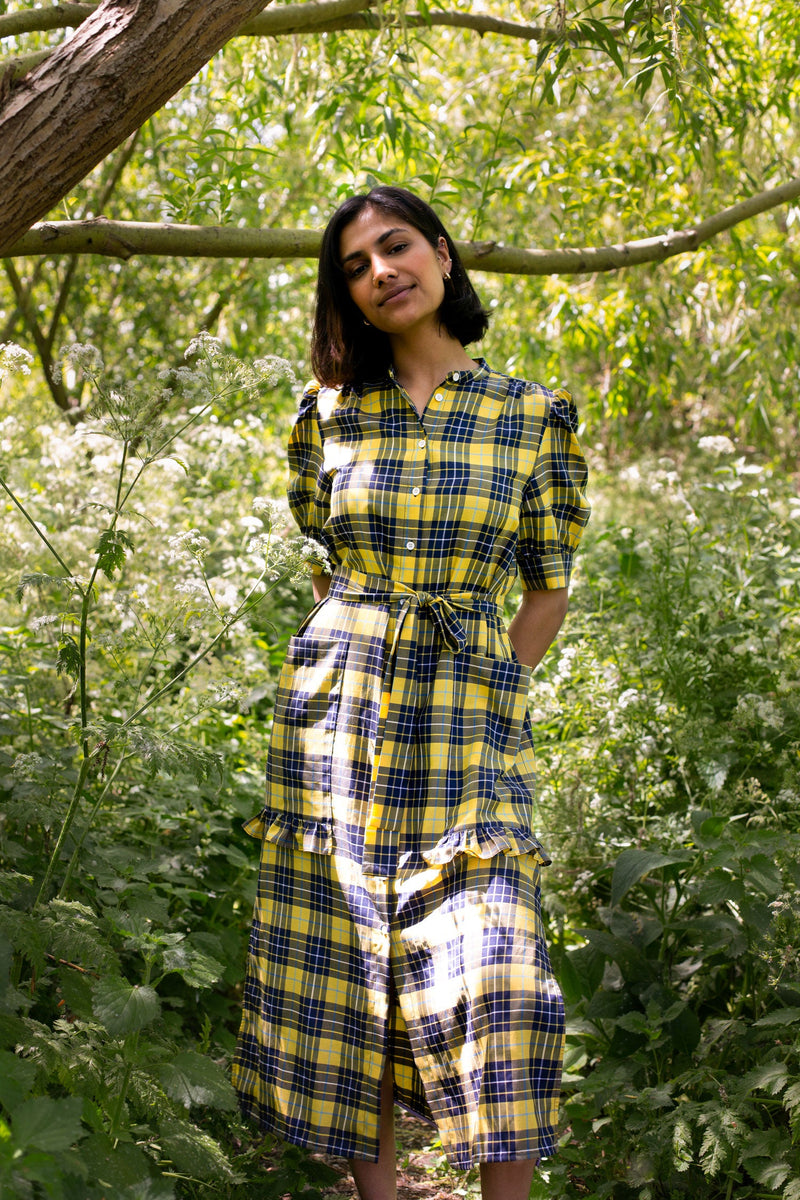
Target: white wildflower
(267,505)
(14,360)
(716,444)
(314,549)
(204,344)
(188,545)
(226,691)
(83,357)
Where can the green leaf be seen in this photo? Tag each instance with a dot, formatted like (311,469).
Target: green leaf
(124,1008)
(68,661)
(720,886)
(194,1151)
(48,1124)
(17,1077)
(192,1078)
(111,551)
(39,580)
(770,1077)
(124,1169)
(632,865)
(198,969)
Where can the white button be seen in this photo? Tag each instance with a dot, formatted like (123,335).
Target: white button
(439,396)
(410,545)
(415,491)
(421,443)
(456,376)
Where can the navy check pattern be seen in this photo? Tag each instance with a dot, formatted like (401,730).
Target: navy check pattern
(446,972)
(398,901)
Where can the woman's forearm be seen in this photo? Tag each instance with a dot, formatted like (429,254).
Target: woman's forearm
(538,620)
(319,586)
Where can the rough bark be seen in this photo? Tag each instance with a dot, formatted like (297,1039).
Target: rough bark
(124,239)
(122,64)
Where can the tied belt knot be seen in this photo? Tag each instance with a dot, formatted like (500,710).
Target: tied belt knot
(441,607)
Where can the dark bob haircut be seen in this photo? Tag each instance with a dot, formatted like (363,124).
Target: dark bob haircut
(343,349)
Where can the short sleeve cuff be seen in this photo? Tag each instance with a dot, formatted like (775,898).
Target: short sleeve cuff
(546,572)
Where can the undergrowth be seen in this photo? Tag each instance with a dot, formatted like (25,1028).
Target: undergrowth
(149,585)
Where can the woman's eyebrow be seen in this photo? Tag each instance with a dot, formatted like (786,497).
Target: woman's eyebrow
(378,242)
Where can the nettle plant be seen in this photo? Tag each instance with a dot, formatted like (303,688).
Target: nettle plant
(144,642)
(669,727)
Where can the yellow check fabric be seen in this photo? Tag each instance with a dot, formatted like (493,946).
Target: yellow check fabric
(401,729)
(446,972)
(398,909)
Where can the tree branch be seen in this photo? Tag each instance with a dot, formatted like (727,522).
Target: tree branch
(296,18)
(314,16)
(40,20)
(124,239)
(95,89)
(26,307)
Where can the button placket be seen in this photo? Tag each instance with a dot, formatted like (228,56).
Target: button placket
(417,471)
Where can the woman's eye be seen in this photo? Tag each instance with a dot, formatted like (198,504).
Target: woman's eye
(398,246)
(355,272)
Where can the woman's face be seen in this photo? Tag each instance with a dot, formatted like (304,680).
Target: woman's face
(393,273)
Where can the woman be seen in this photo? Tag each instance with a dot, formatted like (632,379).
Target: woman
(397,949)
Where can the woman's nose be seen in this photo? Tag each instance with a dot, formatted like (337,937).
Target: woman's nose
(382,270)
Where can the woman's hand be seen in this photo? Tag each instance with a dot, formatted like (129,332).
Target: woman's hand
(538,620)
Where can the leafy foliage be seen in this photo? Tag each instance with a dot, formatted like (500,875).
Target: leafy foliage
(139,684)
(672,790)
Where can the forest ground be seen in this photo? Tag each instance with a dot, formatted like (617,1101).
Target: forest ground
(422,1171)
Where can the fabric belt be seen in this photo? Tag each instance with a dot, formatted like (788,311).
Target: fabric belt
(442,607)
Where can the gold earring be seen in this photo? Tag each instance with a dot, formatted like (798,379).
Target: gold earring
(446,277)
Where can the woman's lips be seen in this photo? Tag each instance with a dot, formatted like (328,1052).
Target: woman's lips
(396,293)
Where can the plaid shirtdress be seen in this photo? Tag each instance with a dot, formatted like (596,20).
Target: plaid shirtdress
(398,900)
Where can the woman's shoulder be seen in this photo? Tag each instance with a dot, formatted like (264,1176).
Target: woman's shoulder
(321,402)
(552,404)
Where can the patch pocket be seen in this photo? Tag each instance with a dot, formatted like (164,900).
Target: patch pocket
(495,701)
(306,710)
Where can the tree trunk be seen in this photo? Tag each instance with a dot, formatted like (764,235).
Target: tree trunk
(120,66)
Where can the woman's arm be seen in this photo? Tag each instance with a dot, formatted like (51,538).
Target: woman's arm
(320,585)
(538,620)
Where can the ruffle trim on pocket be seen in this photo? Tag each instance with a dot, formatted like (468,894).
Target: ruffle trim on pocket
(288,829)
(485,841)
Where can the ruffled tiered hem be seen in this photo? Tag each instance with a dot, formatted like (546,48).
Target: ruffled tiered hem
(288,829)
(317,837)
(485,841)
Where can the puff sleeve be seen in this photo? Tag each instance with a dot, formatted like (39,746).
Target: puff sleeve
(309,489)
(554,507)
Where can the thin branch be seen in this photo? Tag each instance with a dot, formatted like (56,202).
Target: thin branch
(124,239)
(120,163)
(39,20)
(314,16)
(61,303)
(40,338)
(294,18)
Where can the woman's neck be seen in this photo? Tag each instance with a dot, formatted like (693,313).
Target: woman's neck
(423,361)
